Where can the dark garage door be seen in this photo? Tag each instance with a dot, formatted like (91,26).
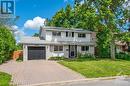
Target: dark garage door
(36,53)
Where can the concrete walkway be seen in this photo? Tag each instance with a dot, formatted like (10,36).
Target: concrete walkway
(40,71)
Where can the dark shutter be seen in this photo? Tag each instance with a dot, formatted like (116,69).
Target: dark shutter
(72,34)
(66,34)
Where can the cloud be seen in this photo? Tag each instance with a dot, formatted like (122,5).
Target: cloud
(35,23)
(65,0)
(68,0)
(18,32)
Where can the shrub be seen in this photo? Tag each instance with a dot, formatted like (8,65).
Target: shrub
(123,56)
(7,44)
(86,55)
(56,58)
(20,59)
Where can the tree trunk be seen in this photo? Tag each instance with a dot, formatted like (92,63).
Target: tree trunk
(112,46)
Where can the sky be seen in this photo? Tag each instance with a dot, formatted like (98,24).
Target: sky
(33,14)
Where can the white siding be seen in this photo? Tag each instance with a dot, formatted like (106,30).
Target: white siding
(25,53)
(48,36)
(63,37)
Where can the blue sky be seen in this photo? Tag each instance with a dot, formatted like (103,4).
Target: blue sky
(36,9)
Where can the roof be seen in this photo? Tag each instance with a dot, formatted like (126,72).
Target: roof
(38,41)
(65,29)
(31,40)
(119,43)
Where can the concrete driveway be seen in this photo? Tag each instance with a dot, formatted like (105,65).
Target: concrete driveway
(38,71)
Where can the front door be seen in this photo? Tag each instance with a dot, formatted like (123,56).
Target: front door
(72,51)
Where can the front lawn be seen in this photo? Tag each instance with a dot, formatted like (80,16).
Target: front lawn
(4,79)
(98,68)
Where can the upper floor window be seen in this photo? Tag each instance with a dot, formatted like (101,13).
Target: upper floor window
(69,34)
(58,48)
(56,33)
(81,35)
(84,48)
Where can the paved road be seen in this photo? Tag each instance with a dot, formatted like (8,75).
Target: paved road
(35,72)
(115,82)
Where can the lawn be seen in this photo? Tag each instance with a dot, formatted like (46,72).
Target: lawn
(4,79)
(98,68)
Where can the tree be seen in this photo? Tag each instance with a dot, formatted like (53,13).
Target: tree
(7,43)
(106,17)
(63,18)
(7,40)
(36,35)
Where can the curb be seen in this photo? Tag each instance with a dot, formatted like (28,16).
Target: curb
(89,79)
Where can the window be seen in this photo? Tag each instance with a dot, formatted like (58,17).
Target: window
(69,34)
(84,48)
(56,33)
(81,35)
(58,48)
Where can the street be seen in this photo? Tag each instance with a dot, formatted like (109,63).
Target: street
(114,82)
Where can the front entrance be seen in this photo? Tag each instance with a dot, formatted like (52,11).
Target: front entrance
(72,51)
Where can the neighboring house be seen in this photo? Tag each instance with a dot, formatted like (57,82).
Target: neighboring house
(121,46)
(56,41)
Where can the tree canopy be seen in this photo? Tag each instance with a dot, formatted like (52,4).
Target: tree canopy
(105,17)
(7,44)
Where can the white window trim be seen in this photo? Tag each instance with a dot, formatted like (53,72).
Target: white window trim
(85,48)
(58,48)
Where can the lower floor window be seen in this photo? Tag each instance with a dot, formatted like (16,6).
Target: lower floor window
(84,48)
(58,48)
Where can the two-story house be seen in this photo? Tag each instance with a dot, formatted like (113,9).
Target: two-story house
(56,41)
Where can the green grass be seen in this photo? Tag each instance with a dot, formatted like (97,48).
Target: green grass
(98,68)
(5,79)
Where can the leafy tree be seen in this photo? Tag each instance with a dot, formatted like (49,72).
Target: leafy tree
(19,47)
(58,19)
(7,44)
(7,40)
(36,35)
(106,17)
(63,18)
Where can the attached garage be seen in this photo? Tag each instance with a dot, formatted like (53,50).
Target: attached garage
(36,53)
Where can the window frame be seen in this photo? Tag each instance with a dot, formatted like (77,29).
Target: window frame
(58,48)
(81,35)
(85,48)
(56,33)
(69,34)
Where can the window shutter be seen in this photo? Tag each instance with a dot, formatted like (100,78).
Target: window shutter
(72,34)
(66,34)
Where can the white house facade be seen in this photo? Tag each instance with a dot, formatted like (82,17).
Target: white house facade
(56,41)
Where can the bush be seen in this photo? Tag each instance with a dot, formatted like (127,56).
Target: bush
(123,56)
(20,59)
(56,58)
(7,44)
(86,55)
